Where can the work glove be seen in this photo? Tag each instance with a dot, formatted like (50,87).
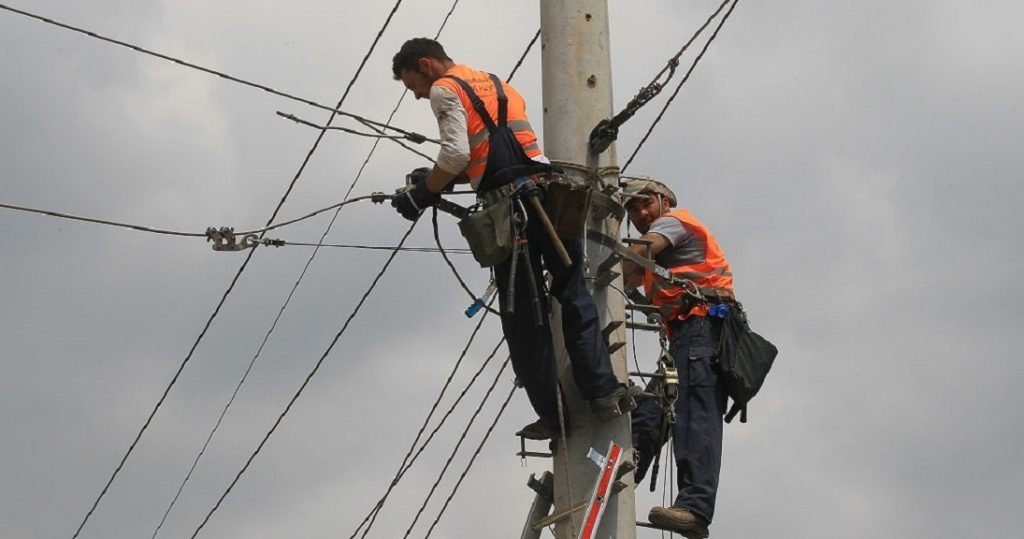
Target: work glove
(411,201)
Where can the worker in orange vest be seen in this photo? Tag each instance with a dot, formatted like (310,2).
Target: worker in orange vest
(486,135)
(702,280)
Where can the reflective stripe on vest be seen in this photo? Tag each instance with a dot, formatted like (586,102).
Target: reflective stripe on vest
(478,136)
(713,272)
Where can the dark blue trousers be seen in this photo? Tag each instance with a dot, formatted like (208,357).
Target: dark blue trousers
(700,406)
(529,344)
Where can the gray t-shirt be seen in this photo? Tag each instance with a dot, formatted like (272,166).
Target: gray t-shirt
(686,247)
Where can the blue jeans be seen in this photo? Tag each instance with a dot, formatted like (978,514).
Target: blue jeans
(530,346)
(697,432)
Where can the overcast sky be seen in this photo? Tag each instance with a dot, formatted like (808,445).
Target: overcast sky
(860,163)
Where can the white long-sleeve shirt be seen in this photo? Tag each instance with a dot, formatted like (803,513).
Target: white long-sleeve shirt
(452,125)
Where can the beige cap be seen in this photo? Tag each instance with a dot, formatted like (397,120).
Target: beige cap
(633,186)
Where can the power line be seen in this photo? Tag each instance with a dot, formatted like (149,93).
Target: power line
(409,135)
(455,450)
(305,383)
(316,251)
(523,57)
(455,251)
(680,85)
(472,460)
(238,274)
(167,232)
(372,515)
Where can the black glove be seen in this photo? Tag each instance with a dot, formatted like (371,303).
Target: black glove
(411,202)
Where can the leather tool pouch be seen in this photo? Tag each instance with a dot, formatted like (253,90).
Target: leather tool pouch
(489,233)
(566,203)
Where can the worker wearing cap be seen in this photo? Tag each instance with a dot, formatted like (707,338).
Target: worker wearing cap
(681,243)
(486,136)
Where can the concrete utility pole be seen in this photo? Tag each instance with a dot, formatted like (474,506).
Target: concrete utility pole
(577,95)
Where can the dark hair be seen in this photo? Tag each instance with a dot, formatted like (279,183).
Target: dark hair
(408,56)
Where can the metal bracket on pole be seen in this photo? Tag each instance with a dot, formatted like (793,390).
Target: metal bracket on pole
(542,503)
(606,271)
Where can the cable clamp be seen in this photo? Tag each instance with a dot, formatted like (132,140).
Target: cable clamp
(377,197)
(224,239)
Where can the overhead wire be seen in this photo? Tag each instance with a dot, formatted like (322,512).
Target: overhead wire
(472,460)
(450,250)
(168,232)
(371,517)
(458,445)
(410,135)
(222,300)
(314,254)
(305,383)
(679,86)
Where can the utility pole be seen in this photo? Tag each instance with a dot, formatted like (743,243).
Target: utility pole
(577,89)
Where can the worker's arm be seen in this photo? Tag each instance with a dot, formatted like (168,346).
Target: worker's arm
(453,156)
(632,273)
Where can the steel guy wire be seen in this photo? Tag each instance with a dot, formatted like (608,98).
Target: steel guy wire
(298,173)
(410,135)
(305,383)
(472,460)
(372,515)
(680,85)
(606,131)
(458,444)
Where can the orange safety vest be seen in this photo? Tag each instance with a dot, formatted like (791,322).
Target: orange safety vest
(479,146)
(713,272)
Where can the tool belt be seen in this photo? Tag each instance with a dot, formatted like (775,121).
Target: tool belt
(488,231)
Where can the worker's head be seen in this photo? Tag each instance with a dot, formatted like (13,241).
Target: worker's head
(646,200)
(419,63)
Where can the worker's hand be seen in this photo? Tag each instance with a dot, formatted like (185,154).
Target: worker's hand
(411,202)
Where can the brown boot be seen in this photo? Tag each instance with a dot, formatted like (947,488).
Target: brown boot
(679,520)
(621,400)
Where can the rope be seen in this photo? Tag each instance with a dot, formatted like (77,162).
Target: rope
(458,444)
(476,453)
(681,83)
(410,135)
(565,460)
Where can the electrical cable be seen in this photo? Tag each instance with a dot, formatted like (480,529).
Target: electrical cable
(324,235)
(472,460)
(409,135)
(371,517)
(458,444)
(238,274)
(680,85)
(305,383)
(454,251)
(523,57)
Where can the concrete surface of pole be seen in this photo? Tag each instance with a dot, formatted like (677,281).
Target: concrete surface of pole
(577,90)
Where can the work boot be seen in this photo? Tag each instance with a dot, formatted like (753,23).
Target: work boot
(539,430)
(679,520)
(621,400)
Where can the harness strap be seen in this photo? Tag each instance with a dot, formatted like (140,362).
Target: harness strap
(478,104)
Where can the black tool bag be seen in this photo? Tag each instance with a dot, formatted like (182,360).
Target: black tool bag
(746,358)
